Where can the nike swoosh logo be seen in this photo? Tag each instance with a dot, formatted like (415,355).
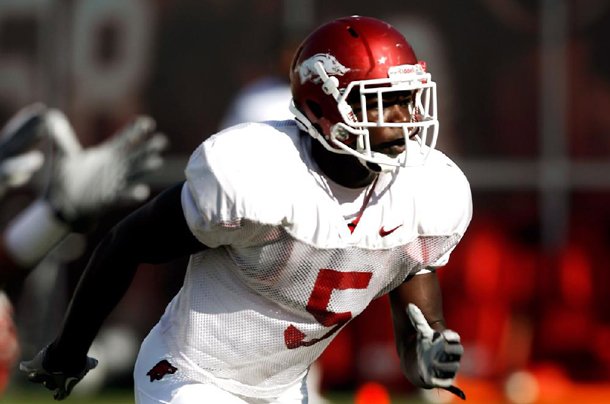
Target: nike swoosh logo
(383,232)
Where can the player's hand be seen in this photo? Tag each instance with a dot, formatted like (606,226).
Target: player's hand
(61,383)
(87,181)
(19,134)
(438,353)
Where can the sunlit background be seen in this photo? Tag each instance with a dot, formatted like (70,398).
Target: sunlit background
(524,92)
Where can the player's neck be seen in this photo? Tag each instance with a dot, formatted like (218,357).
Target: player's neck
(341,168)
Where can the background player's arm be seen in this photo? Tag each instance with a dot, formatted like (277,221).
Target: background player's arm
(155,233)
(84,183)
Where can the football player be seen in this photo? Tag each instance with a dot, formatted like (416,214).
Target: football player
(83,183)
(293,227)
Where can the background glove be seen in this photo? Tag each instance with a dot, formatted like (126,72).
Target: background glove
(19,134)
(61,383)
(86,181)
(438,353)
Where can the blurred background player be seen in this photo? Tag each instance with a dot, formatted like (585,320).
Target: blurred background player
(17,165)
(266,97)
(83,183)
(279,217)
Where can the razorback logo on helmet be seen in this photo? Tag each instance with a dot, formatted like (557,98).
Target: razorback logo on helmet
(161,369)
(331,66)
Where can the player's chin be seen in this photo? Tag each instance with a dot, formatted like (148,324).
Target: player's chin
(393,148)
(396,150)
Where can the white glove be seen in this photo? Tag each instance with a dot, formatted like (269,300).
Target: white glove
(86,181)
(20,133)
(438,353)
(60,383)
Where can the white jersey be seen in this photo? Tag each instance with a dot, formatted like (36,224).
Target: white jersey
(284,272)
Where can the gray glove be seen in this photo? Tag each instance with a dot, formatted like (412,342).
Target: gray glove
(438,353)
(19,134)
(85,182)
(60,383)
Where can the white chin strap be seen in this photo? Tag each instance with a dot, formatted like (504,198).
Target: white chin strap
(341,148)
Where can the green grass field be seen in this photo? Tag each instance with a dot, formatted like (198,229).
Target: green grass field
(40,396)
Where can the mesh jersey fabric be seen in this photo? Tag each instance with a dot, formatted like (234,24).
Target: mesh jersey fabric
(284,274)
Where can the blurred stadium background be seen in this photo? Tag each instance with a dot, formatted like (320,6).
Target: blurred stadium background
(524,92)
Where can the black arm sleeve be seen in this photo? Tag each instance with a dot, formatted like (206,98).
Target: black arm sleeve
(155,233)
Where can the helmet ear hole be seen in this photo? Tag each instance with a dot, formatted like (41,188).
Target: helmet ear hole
(315,108)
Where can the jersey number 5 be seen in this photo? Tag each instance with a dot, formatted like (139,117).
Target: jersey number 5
(327,281)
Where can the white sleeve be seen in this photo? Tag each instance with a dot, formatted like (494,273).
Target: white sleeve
(451,208)
(226,203)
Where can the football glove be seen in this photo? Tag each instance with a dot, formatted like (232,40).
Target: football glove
(20,133)
(61,383)
(86,181)
(438,353)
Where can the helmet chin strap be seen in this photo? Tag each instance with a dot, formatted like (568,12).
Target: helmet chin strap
(373,161)
(305,125)
(377,167)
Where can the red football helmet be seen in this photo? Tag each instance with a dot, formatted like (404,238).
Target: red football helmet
(354,59)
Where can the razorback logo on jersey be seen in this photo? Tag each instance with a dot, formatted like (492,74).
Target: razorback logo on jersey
(161,369)
(331,65)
